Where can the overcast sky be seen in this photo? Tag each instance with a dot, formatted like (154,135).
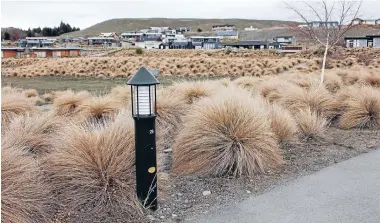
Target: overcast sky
(25,14)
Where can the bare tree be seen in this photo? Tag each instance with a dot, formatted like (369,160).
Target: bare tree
(342,12)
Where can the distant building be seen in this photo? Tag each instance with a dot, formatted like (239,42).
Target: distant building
(205,42)
(183,30)
(250,28)
(131,36)
(105,39)
(15,52)
(228,34)
(320,24)
(359,21)
(362,41)
(285,40)
(37,42)
(149,42)
(224,27)
(18,52)
(250,44)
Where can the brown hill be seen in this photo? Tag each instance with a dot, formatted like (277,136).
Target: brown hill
(122,25)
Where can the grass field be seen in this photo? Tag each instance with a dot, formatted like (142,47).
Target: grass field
(45,84)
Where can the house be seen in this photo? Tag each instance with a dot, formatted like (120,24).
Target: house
(105,39)
(40,52)
(228,34)
(131,36)
(320,24)
(250,44)
(56,52)
(205,42)
(183,30)
(285,40)
(303,25)
(224,27)
(362,41)
(16,52)
(149,42)
(359,21)
(160,29)
(250,28)
(176,45)
(37,42)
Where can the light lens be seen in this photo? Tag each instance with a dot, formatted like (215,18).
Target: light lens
(143,99)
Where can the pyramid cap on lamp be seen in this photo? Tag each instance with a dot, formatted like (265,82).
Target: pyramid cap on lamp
(143,77)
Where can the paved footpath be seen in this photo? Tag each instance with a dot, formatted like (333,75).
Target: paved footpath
(347,192)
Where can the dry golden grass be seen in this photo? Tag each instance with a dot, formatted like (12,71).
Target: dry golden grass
(24,195)
(32,133)
(311,125)
(31,93)
(100,109)
(170,109)
(69,103)
(317,98)
(228,134)
(283,124)
(122,94)
(190,92)
(13,105)
(92,168)
(361,108)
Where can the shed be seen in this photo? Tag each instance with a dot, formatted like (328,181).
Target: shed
(12,52)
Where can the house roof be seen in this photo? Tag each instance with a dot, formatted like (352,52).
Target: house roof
(223,25)
(227,33)
(245,43)
(13,48)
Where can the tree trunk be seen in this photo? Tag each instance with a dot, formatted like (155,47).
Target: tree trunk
(324,58)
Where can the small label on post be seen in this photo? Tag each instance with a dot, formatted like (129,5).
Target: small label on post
(151,131)
(152,170)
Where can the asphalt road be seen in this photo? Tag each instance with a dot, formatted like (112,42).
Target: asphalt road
(347,192)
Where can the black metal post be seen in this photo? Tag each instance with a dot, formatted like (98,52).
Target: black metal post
(146,164)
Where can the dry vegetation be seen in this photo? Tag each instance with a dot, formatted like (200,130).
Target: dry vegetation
(78,157)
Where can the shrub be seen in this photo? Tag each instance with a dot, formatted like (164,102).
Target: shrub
(25,197)
(69,103)
(193,91)
(92,168)
(317,98)
(32,133)
(139,51)
(99,109)
(170,109)
(362,108)
(311,124)
(227,134)
(122,94)
(283,124)
(13,105)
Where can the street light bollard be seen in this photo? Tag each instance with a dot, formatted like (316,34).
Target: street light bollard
(143,92)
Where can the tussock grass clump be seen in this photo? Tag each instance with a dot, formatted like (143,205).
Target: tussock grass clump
(92,168)
(283,124)
(192,91)
(317,98)
(248,83)
(361,108)
(227,134)
(122,94)
(13,105)
(29,93)
(170,109)
(32,133)
(69,103)
(311,125)
(99,109)
(24,195)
